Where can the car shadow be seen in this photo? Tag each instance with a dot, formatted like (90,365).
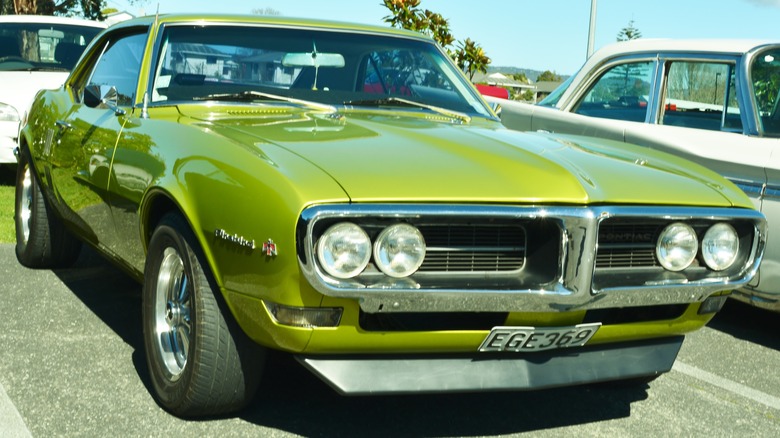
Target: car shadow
(748,323)
(292,399)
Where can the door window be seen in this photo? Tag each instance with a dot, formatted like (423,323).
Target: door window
(621,93)
(765,76)
(119,66)
(701,95)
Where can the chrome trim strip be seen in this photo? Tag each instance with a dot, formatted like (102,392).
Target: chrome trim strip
(572,289)
(754,189)
(771,192)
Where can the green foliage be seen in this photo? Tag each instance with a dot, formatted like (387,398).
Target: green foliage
(471,58)
(765,73)
(90,9)
(526,95)
(7,193)
(407,14)
(549,76)
(629,32)
(520,77)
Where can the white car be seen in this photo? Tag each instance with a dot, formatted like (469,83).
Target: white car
(715,102)
(36,52)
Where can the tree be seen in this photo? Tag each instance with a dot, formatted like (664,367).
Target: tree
(520,77)
(471,58)
(549,76)
(629,32)
(407,14)
(90,9)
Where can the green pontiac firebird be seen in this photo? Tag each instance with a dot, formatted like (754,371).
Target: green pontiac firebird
(341,193)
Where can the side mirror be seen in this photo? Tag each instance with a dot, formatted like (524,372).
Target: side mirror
(102,96)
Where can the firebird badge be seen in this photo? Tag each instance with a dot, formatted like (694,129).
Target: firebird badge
(235,238)
(269,248)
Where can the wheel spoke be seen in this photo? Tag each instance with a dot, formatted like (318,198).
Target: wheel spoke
(172,313)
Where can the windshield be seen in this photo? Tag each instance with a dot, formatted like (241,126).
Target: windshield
(316,66)
(552,99)
(765,76)
(42,46)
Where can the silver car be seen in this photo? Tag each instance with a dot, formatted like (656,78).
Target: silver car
(711,101)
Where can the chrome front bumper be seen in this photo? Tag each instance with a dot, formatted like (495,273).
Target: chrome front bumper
(364,375)
(575,283)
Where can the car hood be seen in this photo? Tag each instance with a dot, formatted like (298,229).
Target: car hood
(387,157)
(18,88)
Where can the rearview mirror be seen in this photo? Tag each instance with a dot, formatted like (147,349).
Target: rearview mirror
(313,59)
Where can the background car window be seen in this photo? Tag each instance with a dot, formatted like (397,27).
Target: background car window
(765,75)
(701,95)
(621,93)
(24,46)
(120,65)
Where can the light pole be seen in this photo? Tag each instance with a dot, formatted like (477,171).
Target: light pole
(592,27)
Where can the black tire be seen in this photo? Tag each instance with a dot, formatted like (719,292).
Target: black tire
(200,362)
(42,241)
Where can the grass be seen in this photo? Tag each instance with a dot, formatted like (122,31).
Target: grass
(7,181)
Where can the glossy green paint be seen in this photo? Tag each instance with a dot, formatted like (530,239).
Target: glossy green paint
(250,170)
(381,157)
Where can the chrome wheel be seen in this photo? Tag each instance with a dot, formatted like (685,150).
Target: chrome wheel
(26,204)
(172,318)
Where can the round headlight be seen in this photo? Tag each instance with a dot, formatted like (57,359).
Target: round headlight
(344,250)
(720,246)
(399,250)
(8,113)
(677,246)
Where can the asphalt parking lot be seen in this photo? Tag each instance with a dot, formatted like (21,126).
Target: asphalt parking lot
(72,364)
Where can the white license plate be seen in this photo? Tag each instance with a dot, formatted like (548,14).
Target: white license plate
(520,339)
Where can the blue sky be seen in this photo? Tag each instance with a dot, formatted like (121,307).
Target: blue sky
(536,34)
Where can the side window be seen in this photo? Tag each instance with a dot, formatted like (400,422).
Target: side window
(120,65)
(765,77)
(621,93)
(701,95)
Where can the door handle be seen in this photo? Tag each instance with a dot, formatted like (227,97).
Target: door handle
(62,126)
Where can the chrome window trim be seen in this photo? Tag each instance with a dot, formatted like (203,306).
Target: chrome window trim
(573,289)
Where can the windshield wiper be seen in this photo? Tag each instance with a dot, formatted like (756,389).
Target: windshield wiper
(249,96)
(397,101)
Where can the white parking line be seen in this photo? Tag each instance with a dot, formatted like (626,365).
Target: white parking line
(729,385)
(11,422)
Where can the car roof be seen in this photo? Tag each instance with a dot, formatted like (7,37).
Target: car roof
(282,21)
(49,19)
(644,45)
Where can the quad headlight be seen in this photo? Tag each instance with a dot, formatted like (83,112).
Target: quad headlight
(399,250)
(720,246)
(344,250)
(677,246)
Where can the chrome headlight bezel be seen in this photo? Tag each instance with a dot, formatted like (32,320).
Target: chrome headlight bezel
(720,246)
(677,246)
(399,250)
(344,250)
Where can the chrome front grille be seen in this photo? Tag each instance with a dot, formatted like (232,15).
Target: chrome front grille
(627,245)
(473,248)
(530,259)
